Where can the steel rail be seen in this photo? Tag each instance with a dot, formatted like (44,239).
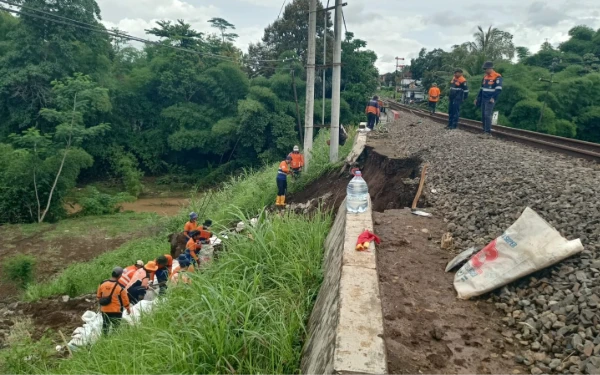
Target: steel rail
(572,147)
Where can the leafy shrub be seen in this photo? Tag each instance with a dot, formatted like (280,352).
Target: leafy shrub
(526,114)
(588,125)
(19,270)
(96,203)
(565,128)
(125,165)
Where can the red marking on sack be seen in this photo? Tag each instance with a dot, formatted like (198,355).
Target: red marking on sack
(487,254)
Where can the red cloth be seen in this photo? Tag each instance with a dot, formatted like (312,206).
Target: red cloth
(367,236)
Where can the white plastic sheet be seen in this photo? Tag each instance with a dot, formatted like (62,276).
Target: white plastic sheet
(529,245)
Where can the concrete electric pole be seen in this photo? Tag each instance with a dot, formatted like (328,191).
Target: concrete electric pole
(335,90)
(310,83)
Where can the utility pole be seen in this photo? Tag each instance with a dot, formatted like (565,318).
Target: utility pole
(550,82)
(336,86)
(310,83)
(396,76)
(325,13)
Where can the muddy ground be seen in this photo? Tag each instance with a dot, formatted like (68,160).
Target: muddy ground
(427,329)
(47,316)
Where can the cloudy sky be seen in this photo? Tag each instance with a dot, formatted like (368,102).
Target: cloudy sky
(390,27)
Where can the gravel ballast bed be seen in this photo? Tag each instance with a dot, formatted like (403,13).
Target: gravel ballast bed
(482,185)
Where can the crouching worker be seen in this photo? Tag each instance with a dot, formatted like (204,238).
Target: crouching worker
(164,264)
(112,298)
(192,247)
(180,273)
(140,281)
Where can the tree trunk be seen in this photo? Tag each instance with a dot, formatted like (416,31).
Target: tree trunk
(62,162)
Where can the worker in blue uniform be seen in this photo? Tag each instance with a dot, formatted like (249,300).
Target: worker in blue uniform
(491,87)
(459,91)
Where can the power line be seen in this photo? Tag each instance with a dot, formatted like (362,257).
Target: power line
(281,10)
(344,19)
(87,26)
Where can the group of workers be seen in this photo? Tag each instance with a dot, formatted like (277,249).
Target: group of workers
(491,87)
(127,286)
(197,235)
(292,165)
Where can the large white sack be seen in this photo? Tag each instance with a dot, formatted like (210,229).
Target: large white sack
(529,245)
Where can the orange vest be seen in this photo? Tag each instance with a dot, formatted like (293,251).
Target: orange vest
(141,275)
(189,226)
(434,94)
(297,160)
(105,289)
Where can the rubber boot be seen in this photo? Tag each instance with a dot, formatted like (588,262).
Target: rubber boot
(283,201)
(278,201)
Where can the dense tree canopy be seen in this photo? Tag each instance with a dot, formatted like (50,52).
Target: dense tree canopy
(569,105)
(191,104)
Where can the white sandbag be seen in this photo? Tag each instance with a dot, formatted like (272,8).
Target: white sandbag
(529,245)
(88,316)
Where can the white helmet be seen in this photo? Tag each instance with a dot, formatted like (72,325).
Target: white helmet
(296,148)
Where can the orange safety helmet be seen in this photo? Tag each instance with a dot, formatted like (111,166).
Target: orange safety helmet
(151,266)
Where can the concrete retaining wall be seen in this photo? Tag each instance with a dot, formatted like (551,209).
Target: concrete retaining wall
(346,324)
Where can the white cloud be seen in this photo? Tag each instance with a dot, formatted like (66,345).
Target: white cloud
(390,27)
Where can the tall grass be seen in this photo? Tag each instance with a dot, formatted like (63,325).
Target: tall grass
(244,314)
(246,194)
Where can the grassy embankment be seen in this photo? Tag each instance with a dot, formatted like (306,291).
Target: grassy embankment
(245,313)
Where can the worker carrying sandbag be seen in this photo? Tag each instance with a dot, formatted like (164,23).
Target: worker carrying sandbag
(112,298)
(139,283)
(297,162)
(282,174)
(162,273)
(129,271)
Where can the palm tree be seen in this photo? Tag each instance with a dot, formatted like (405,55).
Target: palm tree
(490,45)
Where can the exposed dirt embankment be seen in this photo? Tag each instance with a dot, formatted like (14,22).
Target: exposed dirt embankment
(392,182)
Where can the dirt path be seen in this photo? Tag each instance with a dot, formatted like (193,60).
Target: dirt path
(161,206)
(427,329)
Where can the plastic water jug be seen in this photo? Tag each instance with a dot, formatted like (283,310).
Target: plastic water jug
(357,194)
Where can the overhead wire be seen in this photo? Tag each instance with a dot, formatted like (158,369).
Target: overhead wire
(281,10)
(95,28)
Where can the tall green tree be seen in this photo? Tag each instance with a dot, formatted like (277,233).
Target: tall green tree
(223,26)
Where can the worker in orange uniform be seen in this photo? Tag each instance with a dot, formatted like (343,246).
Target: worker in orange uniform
(192,247)
(434,97)
(491,87)
(191,225)
(140,281)
(112,298)
(129,271)
(281,179)
(297,162)
(459,91)
(372,111)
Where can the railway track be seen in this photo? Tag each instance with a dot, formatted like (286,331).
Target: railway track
(568,146)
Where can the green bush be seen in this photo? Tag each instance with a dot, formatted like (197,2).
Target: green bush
(19,270)
(96,203)
(565,128)
(588,124)
(526,114)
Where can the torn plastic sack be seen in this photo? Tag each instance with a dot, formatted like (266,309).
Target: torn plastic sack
(529,245)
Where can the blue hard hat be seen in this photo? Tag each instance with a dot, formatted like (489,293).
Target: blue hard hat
(193,215)
(183,261)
